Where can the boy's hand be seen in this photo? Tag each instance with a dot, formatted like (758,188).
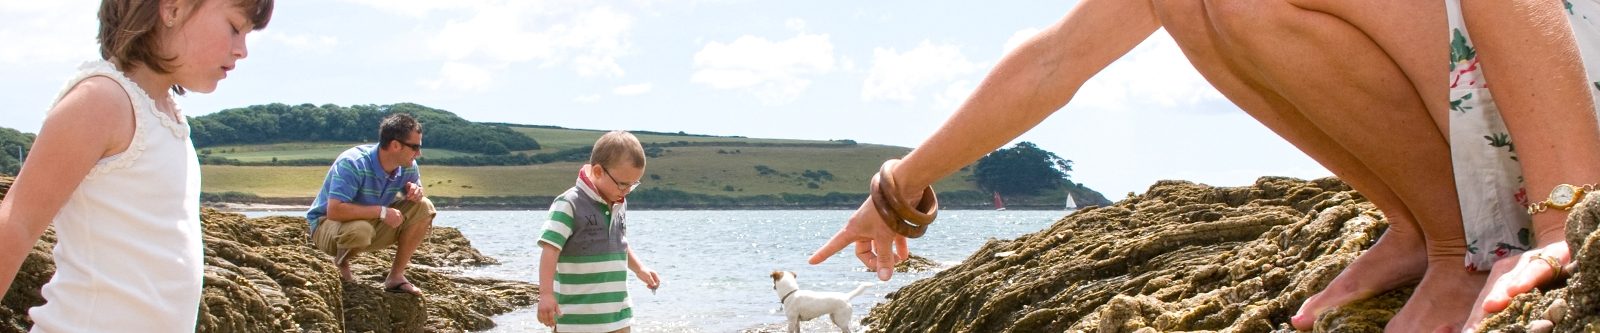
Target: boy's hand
(650,278)
(548,309)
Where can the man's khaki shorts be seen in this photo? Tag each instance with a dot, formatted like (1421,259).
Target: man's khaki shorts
(369,235)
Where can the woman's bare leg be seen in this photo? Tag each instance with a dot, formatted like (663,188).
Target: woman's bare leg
(1352,85)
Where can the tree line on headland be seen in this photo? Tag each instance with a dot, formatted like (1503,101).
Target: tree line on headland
(276,123)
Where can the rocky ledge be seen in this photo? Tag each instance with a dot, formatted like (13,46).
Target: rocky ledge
(262,276)
(1190,257)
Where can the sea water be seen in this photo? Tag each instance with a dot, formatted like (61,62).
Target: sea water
(715,265)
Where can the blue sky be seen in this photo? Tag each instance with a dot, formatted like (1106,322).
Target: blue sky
(792,69)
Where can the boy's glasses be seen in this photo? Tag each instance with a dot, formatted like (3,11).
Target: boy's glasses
(415,147)
(625,187)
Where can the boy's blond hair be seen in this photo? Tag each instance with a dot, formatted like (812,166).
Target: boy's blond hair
(615,147)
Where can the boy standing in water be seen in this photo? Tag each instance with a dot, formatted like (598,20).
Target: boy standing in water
(584,243)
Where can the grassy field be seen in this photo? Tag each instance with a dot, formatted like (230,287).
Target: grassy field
(729,171)
(440,180)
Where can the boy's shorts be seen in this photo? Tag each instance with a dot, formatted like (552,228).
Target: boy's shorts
(369,235)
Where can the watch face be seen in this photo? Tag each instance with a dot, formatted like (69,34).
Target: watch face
(1562,194)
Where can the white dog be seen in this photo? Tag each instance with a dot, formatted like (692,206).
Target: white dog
(802,305)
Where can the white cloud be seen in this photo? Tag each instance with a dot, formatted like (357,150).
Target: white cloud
(590,40)
(461,76)
(1153,73)
(776,72)
(896,76)
(953,95)
(496,35)
(596,39)
(632,89)
(1018,38)
(582,37)
(301,42)
(421,8)
(37,32)
(795,24)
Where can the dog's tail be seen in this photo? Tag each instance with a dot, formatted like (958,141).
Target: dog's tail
(859,289)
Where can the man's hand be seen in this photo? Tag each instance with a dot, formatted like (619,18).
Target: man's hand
(548,309)
(394,218)
(413,192)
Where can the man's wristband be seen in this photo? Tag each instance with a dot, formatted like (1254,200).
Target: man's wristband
(383,213)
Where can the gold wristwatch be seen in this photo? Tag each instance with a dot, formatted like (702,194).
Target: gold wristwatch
(1562,197)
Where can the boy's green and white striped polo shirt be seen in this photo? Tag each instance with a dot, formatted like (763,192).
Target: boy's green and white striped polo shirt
(592,270)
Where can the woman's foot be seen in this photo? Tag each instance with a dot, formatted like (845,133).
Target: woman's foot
(1442,301)
(1397,259)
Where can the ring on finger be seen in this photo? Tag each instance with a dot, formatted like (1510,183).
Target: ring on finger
(1555,264)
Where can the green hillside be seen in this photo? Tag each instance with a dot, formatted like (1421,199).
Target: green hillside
(300,151)
(710,170)
(555,139)
(279,154)
(685,170)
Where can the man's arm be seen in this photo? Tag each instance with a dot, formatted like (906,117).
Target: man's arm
(342,184)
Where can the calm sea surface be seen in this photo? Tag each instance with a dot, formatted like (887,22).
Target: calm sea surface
(714,264)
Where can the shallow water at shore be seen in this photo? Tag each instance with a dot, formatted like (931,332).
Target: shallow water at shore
(714,264)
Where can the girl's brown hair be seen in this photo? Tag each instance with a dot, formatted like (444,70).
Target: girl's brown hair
(128,33)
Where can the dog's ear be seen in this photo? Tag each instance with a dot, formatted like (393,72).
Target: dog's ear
(776,275)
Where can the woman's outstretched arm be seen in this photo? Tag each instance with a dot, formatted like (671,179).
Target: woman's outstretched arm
(1029,84)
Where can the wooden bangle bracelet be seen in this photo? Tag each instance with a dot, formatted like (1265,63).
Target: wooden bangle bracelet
(899,215)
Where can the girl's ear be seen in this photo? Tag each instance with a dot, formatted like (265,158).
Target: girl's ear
(169,13)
